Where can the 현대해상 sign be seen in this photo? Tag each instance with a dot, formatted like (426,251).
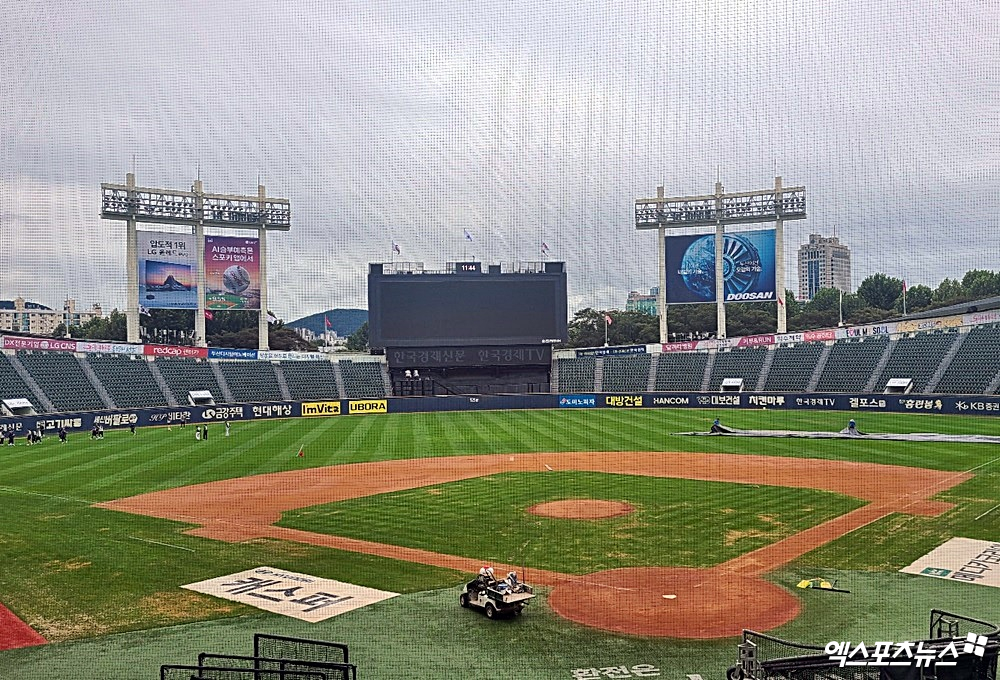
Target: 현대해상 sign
(300,596)
(961,559)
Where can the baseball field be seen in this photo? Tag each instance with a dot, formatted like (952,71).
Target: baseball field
(99,536)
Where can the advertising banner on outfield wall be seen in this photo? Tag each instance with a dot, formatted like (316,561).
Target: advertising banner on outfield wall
(851,404)
(225,353)
(611,351)
(232,272)
(177,351)
(748,268)
(168,272)
(43,344)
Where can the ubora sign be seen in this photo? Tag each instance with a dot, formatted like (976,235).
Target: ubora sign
(368,406)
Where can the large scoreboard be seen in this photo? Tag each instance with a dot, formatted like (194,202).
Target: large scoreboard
(466,307)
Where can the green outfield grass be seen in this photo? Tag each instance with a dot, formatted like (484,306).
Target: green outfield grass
(676,522)
(74,571)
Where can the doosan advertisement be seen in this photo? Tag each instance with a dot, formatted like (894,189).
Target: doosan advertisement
(747,268)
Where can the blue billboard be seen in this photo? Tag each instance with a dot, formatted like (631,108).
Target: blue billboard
(747,268)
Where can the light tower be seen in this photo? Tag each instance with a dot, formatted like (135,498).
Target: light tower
(196,210)
(718,210)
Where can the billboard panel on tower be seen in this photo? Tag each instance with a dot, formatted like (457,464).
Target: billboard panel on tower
(167,270)
(232,272)
(748,267)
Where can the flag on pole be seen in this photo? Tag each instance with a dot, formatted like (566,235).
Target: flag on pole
(395,248)
(208,315)
(302,452)
(607,319)
(144,311)
(326,322)
(904,285)
(271,318)
(545,247)
(468,236)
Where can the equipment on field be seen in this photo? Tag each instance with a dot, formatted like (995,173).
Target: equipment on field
(496,597)
(821,584)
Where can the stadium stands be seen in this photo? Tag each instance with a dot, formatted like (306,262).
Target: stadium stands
(363,379)
(681,372)
(62,379)
(251,381)
(577,375)
(738,363)
(626,373)
(851,364)
(916,356)
(187,375)
(12,386)
(792,367)
(310,379)
(128,380)
(974,367)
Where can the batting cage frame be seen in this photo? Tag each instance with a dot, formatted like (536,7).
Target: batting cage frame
(284,647)
(766,657)
(182,672)
(333,670)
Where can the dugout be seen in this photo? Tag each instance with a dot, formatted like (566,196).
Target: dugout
(16,407)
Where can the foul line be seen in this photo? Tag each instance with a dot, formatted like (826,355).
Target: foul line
(168,545)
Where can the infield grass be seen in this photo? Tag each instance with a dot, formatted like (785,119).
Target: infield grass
(676,522)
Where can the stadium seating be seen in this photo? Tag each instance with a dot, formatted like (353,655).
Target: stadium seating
(974,367)
(128,380)
(11,384)
(363,379)
(63,381)
(310,379)
(188,375)
(681,372)
(851,364)
(738,363)
(577,374)
(792,367)
(251,381)
(626,373)
(917,357)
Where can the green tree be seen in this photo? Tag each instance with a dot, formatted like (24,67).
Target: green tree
(980,283)
(949,291)
(880,291)
(358,340)
(917,297)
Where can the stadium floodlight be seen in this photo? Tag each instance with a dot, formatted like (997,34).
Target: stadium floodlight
(719,210)
(194,209)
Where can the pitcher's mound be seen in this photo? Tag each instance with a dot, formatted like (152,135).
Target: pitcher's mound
(706,603)
(581,509)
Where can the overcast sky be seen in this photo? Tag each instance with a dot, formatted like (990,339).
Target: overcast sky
(522,122)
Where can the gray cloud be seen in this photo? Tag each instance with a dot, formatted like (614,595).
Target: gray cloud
(522,123)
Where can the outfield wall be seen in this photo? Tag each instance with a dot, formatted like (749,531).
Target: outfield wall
(163,416)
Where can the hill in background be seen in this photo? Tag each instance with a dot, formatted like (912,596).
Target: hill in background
(343,321)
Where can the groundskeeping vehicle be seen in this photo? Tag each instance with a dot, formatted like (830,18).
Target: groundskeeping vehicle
(503,597)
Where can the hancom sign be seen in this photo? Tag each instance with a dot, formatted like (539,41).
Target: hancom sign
(320,408)
(368,406)
(748,267)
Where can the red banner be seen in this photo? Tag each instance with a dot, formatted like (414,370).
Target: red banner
(175,351)
(813,336)
(45,344)
(755,340)
(680,346)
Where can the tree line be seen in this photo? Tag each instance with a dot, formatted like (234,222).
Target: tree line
(879,297)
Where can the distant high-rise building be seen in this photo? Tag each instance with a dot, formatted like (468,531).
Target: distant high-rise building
(823,263)
(30,317)
(638,302)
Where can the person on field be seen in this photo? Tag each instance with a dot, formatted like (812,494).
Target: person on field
(717,426)
(62,435)
(204,433)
